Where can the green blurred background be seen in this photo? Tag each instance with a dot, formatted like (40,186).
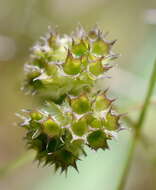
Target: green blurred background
(133,24)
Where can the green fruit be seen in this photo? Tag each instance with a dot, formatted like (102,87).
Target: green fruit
(36,115)
(96,123)
(81,104)
(51,69)
(80,127)
(100,47)
(76,147)
(111,122)
(72,66)
(62,159)
(67,136)
(93,121)
(96,68)
(51,128)
(101,103)
(80,49)
(97,139)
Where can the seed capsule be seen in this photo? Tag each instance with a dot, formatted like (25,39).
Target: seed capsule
(51,128)
(72,66)
(112,121)
(97,139)
(93,121)
(36,115)
(63,159)
(76,147)
(101,102)
(96,68)
(81,104)
(51,69)
(80,127)
(80,49)
(100,47)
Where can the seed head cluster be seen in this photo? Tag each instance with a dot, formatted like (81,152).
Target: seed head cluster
(64,70)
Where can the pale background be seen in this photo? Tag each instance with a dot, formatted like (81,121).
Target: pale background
(133,24)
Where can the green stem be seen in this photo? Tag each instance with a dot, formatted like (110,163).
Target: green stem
(127,164)
(138,128)
(147,99)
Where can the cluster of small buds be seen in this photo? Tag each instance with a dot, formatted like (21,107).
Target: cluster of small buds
(68,64)
(66,68)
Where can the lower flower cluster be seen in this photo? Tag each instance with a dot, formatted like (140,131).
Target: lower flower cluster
(59,133)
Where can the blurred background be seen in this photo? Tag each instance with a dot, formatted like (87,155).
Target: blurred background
(133,24)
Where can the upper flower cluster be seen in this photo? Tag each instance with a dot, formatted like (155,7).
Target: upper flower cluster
(62,64)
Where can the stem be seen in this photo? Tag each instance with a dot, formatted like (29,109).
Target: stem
(127,164)
(13,165)
(138,128)
(147,99)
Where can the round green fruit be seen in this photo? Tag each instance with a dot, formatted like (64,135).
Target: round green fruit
(97,139)
(80,127)
(35,115)
(81,104)
(51,128)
